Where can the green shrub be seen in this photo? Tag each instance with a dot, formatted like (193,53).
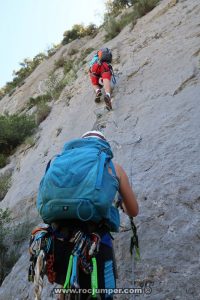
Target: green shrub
(5,183)
(42,98)
(78,31)
(129,17)
(43,110)
(9,260)
(12,92)
(11,241)
(59,88)
(68,65)
(56,85)
(73,34)
(21,232)
(51,51)
(114,7)
(73,51)
(91,30)
(4,220)
(144,6)
(74,65)
(2,93)
(85,53)
(59,63)
(70,77)
(30,141)
(3,160)
(113,26)
(27,67)
(80,61)
(14,129)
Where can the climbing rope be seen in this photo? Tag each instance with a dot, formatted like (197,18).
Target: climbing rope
(39,274)
(41,260)
(134,239)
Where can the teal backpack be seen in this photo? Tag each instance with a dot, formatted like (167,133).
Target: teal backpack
(94,60)
(103,55)
(78,185)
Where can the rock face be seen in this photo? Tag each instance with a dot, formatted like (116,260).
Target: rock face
(154,131)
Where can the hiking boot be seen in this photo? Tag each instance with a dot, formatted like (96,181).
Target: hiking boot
(98,96)
(108,102)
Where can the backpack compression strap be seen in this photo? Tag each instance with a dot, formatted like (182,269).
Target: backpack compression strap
(103,157)
(102,161)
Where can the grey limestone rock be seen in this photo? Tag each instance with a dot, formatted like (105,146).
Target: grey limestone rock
(154,131)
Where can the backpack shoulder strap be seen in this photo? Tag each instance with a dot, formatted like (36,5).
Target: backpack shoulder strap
(103,157)
(94,60)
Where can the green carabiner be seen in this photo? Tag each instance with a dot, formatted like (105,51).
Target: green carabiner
(69,270)
(94,278)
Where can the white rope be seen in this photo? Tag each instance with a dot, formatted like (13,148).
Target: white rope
(132,257)
(38,279)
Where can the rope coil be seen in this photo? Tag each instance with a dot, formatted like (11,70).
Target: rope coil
(38,278)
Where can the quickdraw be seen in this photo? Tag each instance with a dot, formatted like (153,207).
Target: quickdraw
(134,240)
(41,249)
(134,243)
(41,261)
(83,256)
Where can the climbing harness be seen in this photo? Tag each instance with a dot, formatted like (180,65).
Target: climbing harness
(113,78)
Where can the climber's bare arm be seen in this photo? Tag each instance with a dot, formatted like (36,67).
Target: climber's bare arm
(128,196)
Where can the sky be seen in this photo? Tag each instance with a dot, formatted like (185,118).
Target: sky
(28,27)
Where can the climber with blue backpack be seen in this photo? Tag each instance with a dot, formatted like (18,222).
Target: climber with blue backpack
(101,74)
(77,199)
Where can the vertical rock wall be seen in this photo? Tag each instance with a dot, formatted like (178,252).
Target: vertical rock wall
(154,131)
